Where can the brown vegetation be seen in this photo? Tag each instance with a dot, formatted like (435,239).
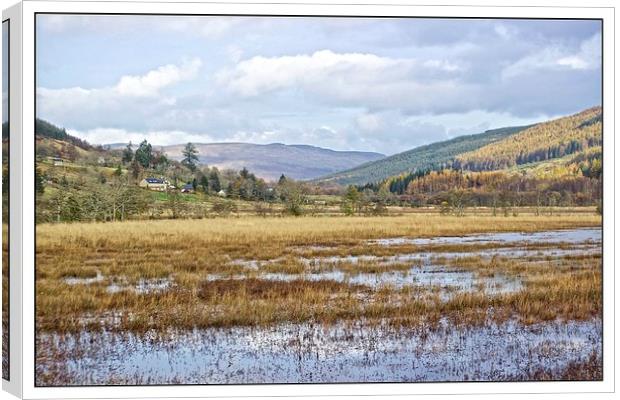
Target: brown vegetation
(201,273)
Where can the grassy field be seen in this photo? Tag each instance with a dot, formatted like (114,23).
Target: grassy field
(196,273)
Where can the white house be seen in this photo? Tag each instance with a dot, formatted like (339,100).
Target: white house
(156,184)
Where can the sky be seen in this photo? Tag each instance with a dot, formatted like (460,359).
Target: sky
(368,84)
(5,71)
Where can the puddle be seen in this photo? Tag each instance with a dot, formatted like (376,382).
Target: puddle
(84,281)
(572,236)
(249,264)
(293,353)
(143,286)
(430,276)
(427,259)
(582,241)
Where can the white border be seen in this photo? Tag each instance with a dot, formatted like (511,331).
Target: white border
(29,391)
(15,116)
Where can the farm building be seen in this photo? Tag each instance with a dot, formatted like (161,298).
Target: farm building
(156,184)
(188,188)
(57,161)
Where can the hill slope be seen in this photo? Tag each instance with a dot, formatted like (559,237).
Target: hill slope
(545,141)
(272,160)
(428,156)
(44,129)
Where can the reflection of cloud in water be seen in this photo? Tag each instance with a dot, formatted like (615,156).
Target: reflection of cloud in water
(573,236)
(313,353)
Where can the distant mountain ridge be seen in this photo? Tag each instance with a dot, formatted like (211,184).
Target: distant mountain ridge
(269,161)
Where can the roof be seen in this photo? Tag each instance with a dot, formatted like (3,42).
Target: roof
(188,186)
(154,180)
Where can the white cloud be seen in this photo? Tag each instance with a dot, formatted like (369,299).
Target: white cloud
(556,57)
(262,74)
(157,138)
(150,83)
(259,74)
(505,31)
(574,62)
(351,80)
(132,98)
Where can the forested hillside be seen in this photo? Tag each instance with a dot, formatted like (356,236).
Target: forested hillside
(432,156)
(500,188)
(545,141)
(43,128)
(553,163)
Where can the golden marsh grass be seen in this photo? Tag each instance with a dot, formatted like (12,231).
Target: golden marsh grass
(187,253)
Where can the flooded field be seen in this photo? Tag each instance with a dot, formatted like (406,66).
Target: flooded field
(311,353)
(508,305)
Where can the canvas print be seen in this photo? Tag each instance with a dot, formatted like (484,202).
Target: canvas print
(5,200)
(245,200)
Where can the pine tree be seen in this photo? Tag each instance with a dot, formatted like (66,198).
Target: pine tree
(190,156)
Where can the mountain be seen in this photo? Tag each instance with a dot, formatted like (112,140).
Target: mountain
(430,156)
(269,161)
(545,141)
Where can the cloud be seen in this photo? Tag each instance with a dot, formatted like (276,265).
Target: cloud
(367,84)
(150,83)
(131,99)
(557,58)
(263,74)
(351,80)
(158,138)
(387,130)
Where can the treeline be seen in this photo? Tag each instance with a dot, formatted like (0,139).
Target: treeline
(398,184)
(485,188)
(46,129)
(365,202)
(545,141)
(93,197)
(82,200)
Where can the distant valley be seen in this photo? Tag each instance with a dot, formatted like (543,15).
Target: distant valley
(564,146)
(269,161)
